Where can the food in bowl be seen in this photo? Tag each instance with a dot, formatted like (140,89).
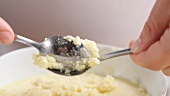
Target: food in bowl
(88,84)
(51,63)
(20,66)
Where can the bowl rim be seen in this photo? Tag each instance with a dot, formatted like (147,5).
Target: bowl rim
(165,78)
(98,44)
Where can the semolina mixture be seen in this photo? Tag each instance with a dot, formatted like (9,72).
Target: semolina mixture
(88,84)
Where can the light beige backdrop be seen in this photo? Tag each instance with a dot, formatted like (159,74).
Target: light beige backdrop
(114,22)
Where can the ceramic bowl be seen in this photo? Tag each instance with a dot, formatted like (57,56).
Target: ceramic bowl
(18,65)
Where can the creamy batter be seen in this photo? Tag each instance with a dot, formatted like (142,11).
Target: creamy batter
(83,85)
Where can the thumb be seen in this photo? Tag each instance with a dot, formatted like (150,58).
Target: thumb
(154,26)
(6,32)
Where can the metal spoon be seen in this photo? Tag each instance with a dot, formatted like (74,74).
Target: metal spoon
(116,54)
(66,52)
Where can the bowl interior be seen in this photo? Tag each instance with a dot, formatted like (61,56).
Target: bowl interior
(18,65)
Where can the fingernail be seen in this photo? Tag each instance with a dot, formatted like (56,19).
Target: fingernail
(166,71)
(5,37)
(136,47)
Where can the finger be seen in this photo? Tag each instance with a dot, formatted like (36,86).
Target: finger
(154,26)
(131,43)
(6,32)
(157,57)
(166,71)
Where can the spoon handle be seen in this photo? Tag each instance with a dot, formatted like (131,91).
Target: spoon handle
(26,41)
(116,54)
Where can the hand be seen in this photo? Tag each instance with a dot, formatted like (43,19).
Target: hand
(6,33)
(152,49)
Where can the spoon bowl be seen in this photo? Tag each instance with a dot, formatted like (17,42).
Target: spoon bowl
(72,73)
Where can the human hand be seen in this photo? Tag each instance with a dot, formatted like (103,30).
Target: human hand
(152,49)
(6,32)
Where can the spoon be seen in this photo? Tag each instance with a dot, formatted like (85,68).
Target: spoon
(116,54)
(66,52)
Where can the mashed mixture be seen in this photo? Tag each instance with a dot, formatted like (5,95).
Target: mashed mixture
(83,85)
(50,62)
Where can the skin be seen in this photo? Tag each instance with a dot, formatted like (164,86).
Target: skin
(152,48)
(6,32)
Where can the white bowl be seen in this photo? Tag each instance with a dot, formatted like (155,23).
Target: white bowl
(18,64)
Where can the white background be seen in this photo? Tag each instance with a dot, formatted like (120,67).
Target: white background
(114,22)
